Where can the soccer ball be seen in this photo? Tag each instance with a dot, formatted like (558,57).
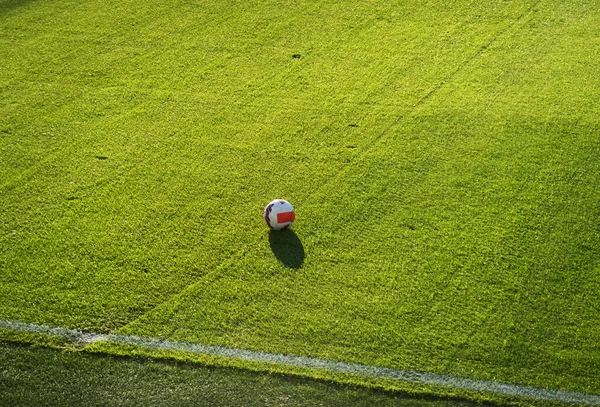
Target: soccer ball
(279,214)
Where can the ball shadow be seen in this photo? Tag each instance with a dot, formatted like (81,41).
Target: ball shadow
(287,247)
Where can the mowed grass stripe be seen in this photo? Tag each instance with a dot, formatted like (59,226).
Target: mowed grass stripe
(311,363)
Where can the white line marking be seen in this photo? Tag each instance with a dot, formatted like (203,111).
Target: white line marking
(321,364)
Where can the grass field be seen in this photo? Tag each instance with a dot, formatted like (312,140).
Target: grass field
(67,378)
(443,160)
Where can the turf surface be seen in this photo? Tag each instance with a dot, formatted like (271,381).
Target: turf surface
(75,378)
(443,161)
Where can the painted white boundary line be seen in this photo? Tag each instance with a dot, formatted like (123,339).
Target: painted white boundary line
(321,364)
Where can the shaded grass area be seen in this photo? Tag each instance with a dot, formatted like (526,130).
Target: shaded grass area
(32,376)
(287,248)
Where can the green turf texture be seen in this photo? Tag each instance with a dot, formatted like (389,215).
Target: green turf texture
(443,160)
(75,378)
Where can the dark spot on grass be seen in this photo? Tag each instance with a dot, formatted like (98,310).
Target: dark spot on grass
(72,198)
(412,227)
(351,146)
(296,56)
(101,157)
(353,125)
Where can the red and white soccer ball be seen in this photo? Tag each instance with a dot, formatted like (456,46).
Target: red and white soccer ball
(279,214)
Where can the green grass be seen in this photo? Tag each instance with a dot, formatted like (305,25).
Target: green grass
(75,378)
(443,160)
